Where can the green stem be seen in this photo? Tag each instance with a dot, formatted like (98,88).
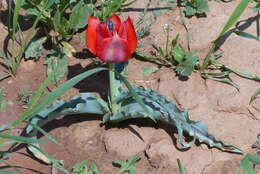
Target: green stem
(208,58)
(112,87)
(167,42)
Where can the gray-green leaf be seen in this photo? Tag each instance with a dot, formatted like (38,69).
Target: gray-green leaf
(79,15)
(127,166)
(147,70)
(34,48)
(85,103)
(56,62)
(167,111)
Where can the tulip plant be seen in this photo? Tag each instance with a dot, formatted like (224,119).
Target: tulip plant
(113,42)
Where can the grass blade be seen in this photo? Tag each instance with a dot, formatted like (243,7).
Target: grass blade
(17,8)
(7,143)
(234,16)
(181,168)
(44,133)
(40,154)
(225,80)
(7,172)
(246,35)
(6,62)
(5,76)
(23,139)
(254,96)
(39,93)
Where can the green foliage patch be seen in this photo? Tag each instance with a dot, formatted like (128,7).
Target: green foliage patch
(195,7)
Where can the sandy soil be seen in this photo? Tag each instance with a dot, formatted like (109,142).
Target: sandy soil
(226,111)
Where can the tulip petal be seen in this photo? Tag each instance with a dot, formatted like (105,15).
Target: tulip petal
(113,49)
(131,35)
(116,22)
(122,31)
(102,33)
(91,34)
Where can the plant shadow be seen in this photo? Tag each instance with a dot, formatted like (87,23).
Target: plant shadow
(68,120)
(144,122)
(240,26)
(25,23)
(97,83)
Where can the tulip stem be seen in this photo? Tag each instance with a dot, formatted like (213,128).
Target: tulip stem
(112,87)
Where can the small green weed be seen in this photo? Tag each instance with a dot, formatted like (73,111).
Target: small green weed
(184,63)
(256,145)
(24,95)
(174,56)
(12,58)
(218,71)
(125,166)
(195,7)
(146,19)
(249,162)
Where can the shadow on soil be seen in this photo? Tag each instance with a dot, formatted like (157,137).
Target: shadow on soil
(97,83)
(240,26)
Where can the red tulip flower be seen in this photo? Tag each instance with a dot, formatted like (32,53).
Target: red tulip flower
(112,40)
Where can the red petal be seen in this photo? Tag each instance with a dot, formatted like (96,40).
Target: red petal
(113,49)
(131,35)
(102,33)
(91,34)
(122,31)
(116,21)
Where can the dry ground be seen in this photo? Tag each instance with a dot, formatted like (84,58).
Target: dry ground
(226,111)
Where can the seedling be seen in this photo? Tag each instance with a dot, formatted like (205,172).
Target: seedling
(125,166)
(173,55)
(24,96)
(194,7)
(249,163)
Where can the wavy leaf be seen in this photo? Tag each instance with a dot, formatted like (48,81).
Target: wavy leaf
(85,103)
(167,111)
(159,109)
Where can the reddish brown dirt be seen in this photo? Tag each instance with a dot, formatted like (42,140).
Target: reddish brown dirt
(226,111)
